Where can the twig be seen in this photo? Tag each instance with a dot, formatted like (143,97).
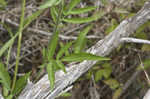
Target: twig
(146,74)
(49,33)
(129,82)
(134,40)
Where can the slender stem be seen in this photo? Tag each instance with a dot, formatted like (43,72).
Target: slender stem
(19,46)
(56,28)
(58,17)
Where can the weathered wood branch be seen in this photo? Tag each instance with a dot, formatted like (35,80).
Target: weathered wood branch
(147,95)
(134,40)
(41,90)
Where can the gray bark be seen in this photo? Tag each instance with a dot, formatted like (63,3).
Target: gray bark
(147,95)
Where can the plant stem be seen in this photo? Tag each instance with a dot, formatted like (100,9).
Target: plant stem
(19,45)
(58,17)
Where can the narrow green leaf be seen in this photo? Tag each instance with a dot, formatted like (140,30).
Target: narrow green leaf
(44,55)
(54,14)
(78,20)
(2,3)
(5,77)
(32,17)
(49,3)
(7,45)
(81,10)
(105,2)
(81,38)
(63,50)
(61,65)
(8,29)
(20,84)
(55,66)
(113,25)
(51,74)
(71,5)
(67,94)
(95,17)
(53,44)
(83,56)
(67,51)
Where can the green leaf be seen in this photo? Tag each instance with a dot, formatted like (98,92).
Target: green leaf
(142,27)
(146,64)
(53,44)
(51,74)
(67,94)
(9,97)
(32,17)
(107,73)
(20,84)
(7,45)
(141,35)
(117,93)
(5,91)
(79,20)
(83,56)
(99,75)
(2,3)
(5,77)
(44,53)
(95,17)
(146,47)
(107,70)
(67,51)
(113,25)
(54,14)
(63,50)
(49,3)
(81,10)
(105,2)
(71,5)
(61,65)
(55,66)
(112,83)
(81,38)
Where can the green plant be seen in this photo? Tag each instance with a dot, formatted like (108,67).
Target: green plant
(103,73)
(60,14)
(19,45)
(6,82)
(114,24)
(2,3)
(12,87)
